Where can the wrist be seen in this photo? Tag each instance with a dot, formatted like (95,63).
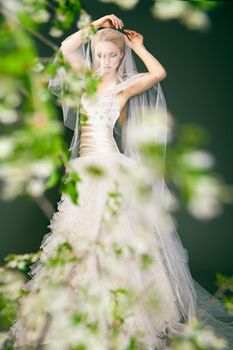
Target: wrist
(138,47)
(94,24)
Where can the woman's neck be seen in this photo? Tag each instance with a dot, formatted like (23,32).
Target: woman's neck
(108,78)
(105,83)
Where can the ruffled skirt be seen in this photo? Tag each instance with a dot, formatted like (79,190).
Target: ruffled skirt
(125,245)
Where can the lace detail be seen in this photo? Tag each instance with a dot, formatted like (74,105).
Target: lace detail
(103,107)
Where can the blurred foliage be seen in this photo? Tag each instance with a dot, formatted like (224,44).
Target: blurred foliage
(192,13)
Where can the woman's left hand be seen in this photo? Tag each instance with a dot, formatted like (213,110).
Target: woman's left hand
(133,39)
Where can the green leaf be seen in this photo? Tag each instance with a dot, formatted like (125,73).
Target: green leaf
(52,180)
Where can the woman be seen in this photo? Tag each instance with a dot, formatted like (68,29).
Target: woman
(111,211)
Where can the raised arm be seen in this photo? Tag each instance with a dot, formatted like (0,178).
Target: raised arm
(156,71)
(72,42)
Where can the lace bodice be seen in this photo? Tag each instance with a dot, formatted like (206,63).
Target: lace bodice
(102,112)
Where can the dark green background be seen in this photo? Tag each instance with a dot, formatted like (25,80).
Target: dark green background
(198,88)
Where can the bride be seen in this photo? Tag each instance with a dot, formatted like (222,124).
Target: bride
(110,210)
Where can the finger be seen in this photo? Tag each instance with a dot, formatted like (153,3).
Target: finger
(114,22)
(110,20)
(118,22)
(115,19)
(121,23)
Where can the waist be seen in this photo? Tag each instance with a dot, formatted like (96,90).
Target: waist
(95,140)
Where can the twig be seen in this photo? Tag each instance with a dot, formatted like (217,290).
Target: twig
(38,35)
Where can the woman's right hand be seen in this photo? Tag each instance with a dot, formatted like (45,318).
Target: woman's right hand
(108,21)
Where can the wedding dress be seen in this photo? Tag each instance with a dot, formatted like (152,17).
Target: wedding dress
(82,224)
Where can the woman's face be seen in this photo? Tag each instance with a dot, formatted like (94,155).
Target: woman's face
(107,57)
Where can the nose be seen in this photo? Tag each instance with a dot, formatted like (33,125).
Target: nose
(106,60)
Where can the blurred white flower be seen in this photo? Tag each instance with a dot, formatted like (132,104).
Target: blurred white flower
(11,283)
(182,10)
(38,67)
(35,187)
(198,159)
(61,17)
(205,201)
(42,168)
(40,16)
(69,101)
(12,264)
(84,19)
(196,19)
(124,4)
(203,336)
(12,6)
(55,32)
(21,177)
(13,99)
(169,9)
(155,127)
(75,85)
(204,209)
(206,338)
(8,116)
(6,146)
(13,178)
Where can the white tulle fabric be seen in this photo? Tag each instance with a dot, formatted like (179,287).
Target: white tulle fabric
(169,275)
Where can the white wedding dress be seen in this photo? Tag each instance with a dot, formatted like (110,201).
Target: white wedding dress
(83,224)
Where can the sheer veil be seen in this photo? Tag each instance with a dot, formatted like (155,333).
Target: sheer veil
(191,297)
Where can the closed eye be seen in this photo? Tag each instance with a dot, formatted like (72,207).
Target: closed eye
(112,55)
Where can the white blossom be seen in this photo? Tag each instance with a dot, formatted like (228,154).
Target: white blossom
(55,32)
(11,283)
(6,146)
(84,19)
(40,16)
(42,168)
(8,116)
(198,159)
(13,99)
(12,6)
(124,4)
(182,10)
(29,176)
(169,9)
(155,127)
(206,338)
(196,19)
(205,203)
